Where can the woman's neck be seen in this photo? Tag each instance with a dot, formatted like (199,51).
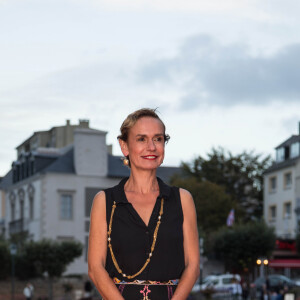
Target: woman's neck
(142,183)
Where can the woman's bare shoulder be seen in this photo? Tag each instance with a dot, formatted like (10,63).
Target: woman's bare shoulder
(187,200)
(99,203)
(185,195)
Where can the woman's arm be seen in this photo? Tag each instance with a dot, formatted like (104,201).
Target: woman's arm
(98,249)
(191,247)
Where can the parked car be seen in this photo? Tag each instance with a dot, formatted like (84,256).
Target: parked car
(225,283)
(206,283)
(276,283)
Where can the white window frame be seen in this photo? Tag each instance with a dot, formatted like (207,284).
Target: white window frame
(271,189)
(295,149)
(272,218)
(285,214)
(71,194)
(280,154)
(285,184)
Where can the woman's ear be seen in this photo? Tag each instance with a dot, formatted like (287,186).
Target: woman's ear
(124,147)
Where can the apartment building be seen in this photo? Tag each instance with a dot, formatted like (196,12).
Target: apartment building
(282,201)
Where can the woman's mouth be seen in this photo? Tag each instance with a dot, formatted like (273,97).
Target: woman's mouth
(150,157)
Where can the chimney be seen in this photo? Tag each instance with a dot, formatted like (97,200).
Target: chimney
(83,123)
(90,152)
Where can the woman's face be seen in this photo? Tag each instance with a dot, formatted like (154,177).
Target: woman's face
(145,145)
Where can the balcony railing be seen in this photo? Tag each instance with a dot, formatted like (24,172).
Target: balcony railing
(17,226)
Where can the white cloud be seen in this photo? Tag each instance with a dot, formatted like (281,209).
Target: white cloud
(72,59)
(208,72)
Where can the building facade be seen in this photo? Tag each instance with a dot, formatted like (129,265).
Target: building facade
(48,192)
(282,201)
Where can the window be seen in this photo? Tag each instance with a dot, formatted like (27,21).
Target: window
(295,150)
(272,184)
(31,208)
(287,180)
(12,211)
(280,154)
(21,209)
(272,213)
(66,207)
(287,210)
(89,196)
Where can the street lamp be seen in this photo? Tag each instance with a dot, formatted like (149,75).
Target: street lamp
(13,252)
(262,262)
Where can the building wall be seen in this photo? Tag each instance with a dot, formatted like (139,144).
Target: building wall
(285,224)
(2,204)
(30,187)
(76,228)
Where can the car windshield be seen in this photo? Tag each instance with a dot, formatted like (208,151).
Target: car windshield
(227,280)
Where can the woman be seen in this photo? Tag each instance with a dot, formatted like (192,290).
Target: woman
(143,241)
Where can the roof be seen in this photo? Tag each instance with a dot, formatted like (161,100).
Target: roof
(282,165)
(6,180)
(65,164)
(293,139)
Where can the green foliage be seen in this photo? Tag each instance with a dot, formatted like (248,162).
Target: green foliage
(4,260)
(52,256)
(240,246)
(25,268)
(211,201)
(241,176)
(19,239)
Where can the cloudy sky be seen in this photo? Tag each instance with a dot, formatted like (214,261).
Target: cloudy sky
(222,73)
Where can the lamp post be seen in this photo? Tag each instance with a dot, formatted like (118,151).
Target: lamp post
(261,263)
(13,252)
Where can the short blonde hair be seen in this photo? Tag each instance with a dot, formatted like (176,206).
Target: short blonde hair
(132,118)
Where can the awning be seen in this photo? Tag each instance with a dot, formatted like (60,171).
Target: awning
(284,263)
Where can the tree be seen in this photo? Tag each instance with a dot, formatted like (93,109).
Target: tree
(4,260)
(211,202)
(50,257)
(240,175)
(240,246)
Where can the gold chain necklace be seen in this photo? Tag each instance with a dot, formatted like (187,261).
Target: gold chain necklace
(152,246)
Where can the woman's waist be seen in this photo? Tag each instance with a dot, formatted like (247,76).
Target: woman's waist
(146,282)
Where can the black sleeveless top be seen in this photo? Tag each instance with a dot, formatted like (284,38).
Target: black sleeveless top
(132,239)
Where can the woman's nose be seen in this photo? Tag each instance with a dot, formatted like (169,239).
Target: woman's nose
(151,145)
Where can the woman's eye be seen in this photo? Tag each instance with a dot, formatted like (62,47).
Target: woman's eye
(158,139)
(141,139)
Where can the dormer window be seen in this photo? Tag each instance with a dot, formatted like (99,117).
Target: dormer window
(280,154)
(295,147)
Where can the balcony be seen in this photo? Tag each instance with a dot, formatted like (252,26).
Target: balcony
(17,226)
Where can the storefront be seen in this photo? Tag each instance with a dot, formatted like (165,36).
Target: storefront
(285,259)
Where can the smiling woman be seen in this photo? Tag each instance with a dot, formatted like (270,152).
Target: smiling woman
(143,240)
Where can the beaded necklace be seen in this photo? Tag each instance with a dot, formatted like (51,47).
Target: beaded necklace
(152,246)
